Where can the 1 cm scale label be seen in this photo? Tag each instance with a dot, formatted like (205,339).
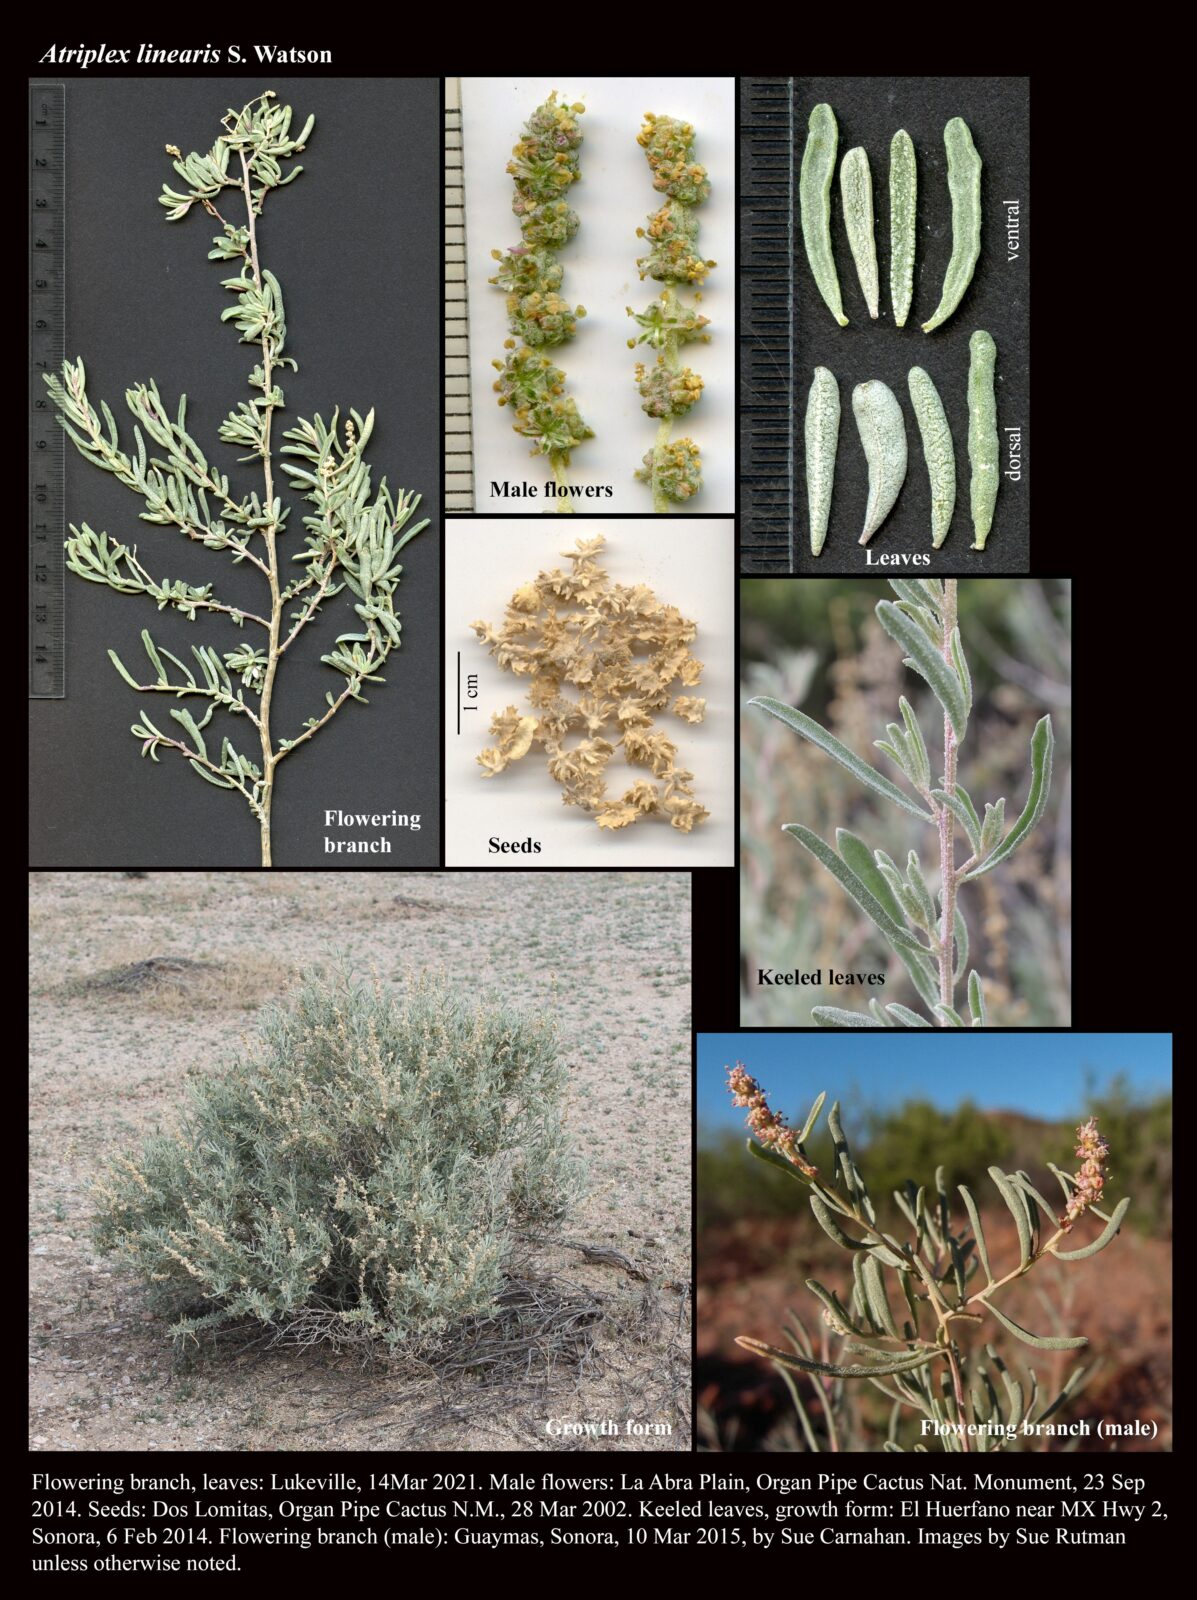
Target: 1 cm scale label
(47,350)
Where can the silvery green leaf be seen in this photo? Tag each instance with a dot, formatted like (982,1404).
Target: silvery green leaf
(976,1001)
(1041,778)
(991,828)
(878,1014)
(772,1159)
(210,777)
(970,1205)
(951,1014)
(918,887)
(916,745)
(907,1361)
(908,1018)
(942,678)
(858,856)
(834,1017)
(1103,1239)
(835,1307)
(961,941)
(811,1118)
(961,665)
(864,897)
(119,665)
(1019,1210)
(831,746)
(1031,1338)
(878,1300)
(826,1221)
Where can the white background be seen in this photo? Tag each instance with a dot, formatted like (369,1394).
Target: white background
(614,197)
(690,565)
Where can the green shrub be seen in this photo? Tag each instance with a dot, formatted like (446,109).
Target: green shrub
(361,1168)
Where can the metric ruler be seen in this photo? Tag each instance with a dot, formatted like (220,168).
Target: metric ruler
(459,446)
(767,241)
(47,349)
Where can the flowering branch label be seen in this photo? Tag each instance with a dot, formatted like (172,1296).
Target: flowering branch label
(379,846)
(502,490)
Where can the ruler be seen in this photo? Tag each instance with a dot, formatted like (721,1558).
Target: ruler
(767,242)
(47,348)
(459,443)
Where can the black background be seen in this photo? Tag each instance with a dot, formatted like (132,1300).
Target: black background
(355,243)
(869,111)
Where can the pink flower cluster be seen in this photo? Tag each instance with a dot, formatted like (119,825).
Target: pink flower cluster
(768,1126)
(1092,1149)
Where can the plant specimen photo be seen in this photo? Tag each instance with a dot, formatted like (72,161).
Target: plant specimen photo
(333,1194)
(543,165)
(539,306)
(920,910)
(673,467)
(352,533)
(589,685)
(946,1296)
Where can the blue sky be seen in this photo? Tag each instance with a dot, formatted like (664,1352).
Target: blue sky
(1040,1074)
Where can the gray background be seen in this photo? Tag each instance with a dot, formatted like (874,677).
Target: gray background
(869,111)
(355,243)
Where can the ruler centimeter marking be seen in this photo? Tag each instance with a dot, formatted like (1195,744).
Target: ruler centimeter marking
(47,349)
(767,242)
(459,441)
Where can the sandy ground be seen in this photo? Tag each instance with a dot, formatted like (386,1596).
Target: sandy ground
(608,953)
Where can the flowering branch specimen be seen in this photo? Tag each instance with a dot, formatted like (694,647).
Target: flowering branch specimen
(667,389)
(354,533)
(931,940)
(933,1273)
(544,165)
(621,649)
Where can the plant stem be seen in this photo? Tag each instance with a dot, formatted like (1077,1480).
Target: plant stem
(947,866)
(661,501)
(557,459)
(270,534)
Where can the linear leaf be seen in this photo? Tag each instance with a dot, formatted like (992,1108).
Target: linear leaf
(1042,744)
(830,745)
(974,1216)
(907,589)
(950,1014)
(918,887)
(120,667)
(1024,1183)
(1044,1343)
(904,1361)
(812,1114)
(962,814)
(835,1307)
(1018,1211)
(772,1159)
(908,1018)
(1103,1239)
(864,897)
(922,974)
(961,665)
(976,1001)
(943,679)
(831,1227)
(812,1442)
(961,931)
(860,858)
(918,745)
(834,1017)
(878,1302)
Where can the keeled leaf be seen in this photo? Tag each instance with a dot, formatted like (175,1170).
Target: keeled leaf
(976,1001)
(831,1227)
(834,1017)
(1018,1211)
(1041,778)
(830,745)
(1103,1239)
(943,678)
(864,897)
(901,1361)
(908,1018)
(860,858)
(974,1216)
(1031,1338)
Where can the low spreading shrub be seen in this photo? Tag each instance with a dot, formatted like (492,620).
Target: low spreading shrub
(362,1168)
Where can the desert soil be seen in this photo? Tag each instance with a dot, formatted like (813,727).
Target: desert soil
(608,954)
